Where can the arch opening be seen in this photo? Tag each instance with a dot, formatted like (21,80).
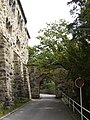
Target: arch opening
(47,86)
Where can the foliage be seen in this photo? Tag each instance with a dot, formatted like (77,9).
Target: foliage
(57,50)
(51,50)
(80,29)
(47,86)
(81,34)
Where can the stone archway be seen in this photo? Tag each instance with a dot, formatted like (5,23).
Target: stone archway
(36,78)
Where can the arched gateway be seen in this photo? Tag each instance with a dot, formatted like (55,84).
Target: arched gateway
(36,77)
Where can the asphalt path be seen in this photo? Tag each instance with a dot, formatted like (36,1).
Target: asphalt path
(45,108)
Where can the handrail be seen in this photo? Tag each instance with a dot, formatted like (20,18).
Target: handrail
(74,107)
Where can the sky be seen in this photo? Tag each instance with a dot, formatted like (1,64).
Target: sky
(40,12)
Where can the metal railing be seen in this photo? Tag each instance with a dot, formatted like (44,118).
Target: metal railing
(75,106)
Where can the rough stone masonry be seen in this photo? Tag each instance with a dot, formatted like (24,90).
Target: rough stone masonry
(14,77)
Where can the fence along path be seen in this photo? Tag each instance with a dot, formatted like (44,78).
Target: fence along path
(73,103)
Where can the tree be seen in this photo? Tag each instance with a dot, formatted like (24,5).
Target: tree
(57,50)
(53,39)
(81,34)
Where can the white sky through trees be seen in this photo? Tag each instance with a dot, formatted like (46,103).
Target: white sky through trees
(40,12)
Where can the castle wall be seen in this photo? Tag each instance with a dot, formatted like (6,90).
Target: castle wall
(13,52)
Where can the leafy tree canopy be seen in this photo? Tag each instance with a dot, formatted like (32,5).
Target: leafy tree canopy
(53,40)
(80,29)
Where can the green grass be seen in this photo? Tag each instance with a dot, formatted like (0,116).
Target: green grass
(4,111)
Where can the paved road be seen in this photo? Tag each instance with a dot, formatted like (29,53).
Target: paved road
(46,108)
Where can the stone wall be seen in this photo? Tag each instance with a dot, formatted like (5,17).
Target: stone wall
(14,79)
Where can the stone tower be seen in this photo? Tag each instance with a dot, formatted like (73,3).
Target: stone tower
(14,78)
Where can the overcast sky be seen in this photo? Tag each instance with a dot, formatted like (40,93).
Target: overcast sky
(40,12)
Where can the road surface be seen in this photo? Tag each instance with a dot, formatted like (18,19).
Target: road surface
(46,108)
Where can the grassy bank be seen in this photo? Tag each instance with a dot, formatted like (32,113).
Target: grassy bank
(4,110)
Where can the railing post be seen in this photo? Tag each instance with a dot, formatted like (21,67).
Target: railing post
(73,106)
(69,102)
(81,103)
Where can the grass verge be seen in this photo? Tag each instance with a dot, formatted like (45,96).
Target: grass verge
(4,111)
